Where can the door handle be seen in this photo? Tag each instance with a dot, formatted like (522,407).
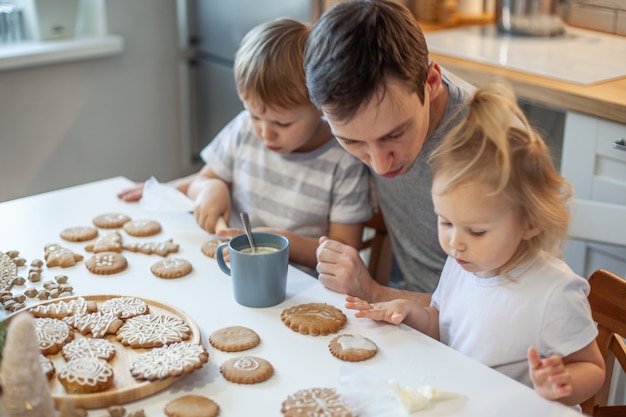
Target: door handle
(620,144)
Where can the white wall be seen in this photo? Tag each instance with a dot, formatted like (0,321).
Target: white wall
(70,123)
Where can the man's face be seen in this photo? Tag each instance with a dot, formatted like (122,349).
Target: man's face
(387,134)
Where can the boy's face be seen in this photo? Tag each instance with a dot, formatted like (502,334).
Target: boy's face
(387,134)
(481,232)
(297,129)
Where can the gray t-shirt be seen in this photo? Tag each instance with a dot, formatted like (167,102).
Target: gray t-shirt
(407,204)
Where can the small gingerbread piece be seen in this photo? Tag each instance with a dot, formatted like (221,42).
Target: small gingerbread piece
(57,255)
(159,248)
(79,233)
(106,263)
(171,268)
(142,227)
(110,242)
(110,220)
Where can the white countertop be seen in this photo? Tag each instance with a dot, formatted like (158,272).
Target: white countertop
(300,361)
(579,56)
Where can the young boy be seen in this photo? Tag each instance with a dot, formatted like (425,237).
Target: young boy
(277,160)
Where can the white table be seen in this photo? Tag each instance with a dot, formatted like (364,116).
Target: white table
(300,361)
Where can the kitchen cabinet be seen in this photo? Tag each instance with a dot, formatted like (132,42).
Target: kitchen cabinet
(595,163)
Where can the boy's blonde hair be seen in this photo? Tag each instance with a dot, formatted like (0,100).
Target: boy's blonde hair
(268,64)
(495,144)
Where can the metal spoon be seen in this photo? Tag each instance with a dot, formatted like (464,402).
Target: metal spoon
(246,226)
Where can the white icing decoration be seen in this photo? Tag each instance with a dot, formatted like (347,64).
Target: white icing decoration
(246,363)
(356,342)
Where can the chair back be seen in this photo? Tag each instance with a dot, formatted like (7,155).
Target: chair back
(379,243)
(608,307)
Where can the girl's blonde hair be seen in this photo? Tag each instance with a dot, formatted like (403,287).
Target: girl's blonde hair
(495,144)
(269,66)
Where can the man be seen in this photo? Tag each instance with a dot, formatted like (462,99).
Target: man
(367,69)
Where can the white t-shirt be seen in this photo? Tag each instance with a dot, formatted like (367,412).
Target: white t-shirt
(495,320)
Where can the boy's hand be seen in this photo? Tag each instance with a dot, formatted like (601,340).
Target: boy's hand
(387,311)
(133,193)
(549,376)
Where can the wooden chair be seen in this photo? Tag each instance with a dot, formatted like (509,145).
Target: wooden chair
(379,264)
(608,306)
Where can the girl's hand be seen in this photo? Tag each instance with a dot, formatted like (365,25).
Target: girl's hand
(549,376)
(390,311)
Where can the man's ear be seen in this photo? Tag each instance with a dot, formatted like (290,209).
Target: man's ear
(433,80)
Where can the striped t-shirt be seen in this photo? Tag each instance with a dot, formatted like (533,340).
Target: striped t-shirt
(298,192)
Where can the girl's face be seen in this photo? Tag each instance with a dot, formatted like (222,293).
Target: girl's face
(298,129)
(481,232)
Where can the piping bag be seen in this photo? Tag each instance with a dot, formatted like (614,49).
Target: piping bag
(164,198)
(167,199)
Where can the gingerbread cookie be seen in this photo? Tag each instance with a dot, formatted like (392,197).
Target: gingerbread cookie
(79,233)
(98,324)
(85,375)
(150,330)
(352,348)
(125,307)
(106,263)
(234,339)
(110,220)
(209,248)
(57,255)
(63,309)
(159,248)
(314,318)
(192,406)
(172,360)
(171,268)
(142,227)
(110,242)
(46,366)
(315,402)
(90,348)
(246,369)
(52,334)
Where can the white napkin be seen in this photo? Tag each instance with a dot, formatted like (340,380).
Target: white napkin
(370,396)
(164,198)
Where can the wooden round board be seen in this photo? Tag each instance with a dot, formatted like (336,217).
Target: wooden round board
(125,388)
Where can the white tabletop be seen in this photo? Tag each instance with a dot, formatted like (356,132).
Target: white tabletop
(300,361)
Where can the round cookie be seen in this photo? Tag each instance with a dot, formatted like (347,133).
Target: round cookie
(79,233)
(209,248)
(246,369)
(110,220)
(106,263)
(314,318)
(352,348)
(234,339)
(171,268)
(142,227)
(192,406)
(125,307)
(315,402)
(85,375)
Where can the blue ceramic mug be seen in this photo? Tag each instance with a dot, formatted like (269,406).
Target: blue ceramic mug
(260,278)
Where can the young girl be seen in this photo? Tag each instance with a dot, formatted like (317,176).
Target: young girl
(504,298)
